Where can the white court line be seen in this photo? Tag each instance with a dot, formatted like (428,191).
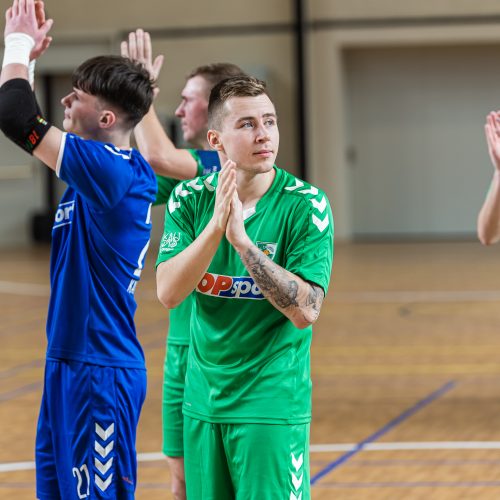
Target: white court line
(397,296)
(440,296)
(392,296)
(14,288)
(322,448)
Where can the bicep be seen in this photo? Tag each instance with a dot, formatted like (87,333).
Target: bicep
(49,149)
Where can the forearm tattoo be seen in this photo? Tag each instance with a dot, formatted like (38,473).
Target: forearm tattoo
(281,287)
(281,290)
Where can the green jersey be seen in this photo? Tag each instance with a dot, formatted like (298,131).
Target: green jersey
(180,317)
(248,362)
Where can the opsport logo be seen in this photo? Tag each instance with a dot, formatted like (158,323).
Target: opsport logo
(231,287)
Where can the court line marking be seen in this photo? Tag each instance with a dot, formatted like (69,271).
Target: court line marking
(397,296)
(322,448)
(16,288)
(384,430)
(412,484)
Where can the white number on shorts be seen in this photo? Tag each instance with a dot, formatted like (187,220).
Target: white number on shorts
(77,474)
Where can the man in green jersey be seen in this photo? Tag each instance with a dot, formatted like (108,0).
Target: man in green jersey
(175,164)
(256,245)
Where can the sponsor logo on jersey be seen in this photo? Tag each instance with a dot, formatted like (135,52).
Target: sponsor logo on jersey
(169,242)
(64,214)
(230,287)
(268,249)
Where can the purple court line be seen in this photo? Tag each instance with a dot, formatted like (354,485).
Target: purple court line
(21,391)
(410,462)
(384,430)
(415,484)
(10,372)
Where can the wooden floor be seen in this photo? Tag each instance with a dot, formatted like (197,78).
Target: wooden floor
(406,373)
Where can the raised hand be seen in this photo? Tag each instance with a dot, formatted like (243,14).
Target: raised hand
(492,132)
(235,229)
(139,48)
(22,18)
(224,195)
(39,49)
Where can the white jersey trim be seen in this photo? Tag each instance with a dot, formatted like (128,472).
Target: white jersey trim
(61,153)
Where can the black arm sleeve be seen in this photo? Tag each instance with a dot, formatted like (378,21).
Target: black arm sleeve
(20,117)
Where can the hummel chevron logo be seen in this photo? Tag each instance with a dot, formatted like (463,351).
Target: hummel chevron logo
(319,205)
(103,485)
(181,192)
(312,190)
(104,434)
(320,224)
(104,452)
(173,205)
(293,497)
(297,482)
(298,184)
(194,185)
(298,463)
(103,468)
(208,182)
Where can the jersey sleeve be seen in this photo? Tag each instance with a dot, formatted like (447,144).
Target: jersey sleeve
(99,172)
(207,161)
(165,188)
(310,248)
(178,229)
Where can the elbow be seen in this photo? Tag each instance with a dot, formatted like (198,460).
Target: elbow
(302,321)
(166,298)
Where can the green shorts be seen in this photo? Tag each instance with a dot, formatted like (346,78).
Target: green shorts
(174,374)
(246,461)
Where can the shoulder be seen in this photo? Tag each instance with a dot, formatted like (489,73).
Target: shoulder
(192,191)
(301,191)
(307,200)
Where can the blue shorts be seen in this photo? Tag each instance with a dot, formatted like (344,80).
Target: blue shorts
(85,443)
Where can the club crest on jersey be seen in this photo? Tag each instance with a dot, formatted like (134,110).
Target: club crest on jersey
(229,287)
(169,242)
(64,214)
(269,249)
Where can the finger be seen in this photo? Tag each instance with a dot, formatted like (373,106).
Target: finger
(148,50)
(132,46)
(39,12)
(140,44)
(124,49)
(15,8)
(157,66)
(8,14)
(22,7)
(47,25)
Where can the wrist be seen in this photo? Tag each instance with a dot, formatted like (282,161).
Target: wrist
(242,244)
(17,49)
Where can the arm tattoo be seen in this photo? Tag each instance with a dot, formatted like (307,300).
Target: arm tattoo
(273,282)
(314,299)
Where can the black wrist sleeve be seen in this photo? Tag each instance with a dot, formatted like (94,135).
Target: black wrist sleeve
(20,117)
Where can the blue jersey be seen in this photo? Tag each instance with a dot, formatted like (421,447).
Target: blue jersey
(99,241)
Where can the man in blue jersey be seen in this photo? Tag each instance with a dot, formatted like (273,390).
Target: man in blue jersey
(176,164)
(95,377)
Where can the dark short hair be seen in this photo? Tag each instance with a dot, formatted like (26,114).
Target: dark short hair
(238,86)
(118,81)
(216,72)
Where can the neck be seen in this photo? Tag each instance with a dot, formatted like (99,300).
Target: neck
(118,138)
(252,187)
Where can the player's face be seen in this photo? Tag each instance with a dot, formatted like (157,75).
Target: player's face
(249,133)
(193,111)
(81,114)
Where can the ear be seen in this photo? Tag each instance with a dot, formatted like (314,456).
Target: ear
(107,119)
(214,140)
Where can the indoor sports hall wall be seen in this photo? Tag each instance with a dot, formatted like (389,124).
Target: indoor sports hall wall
(365,66)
